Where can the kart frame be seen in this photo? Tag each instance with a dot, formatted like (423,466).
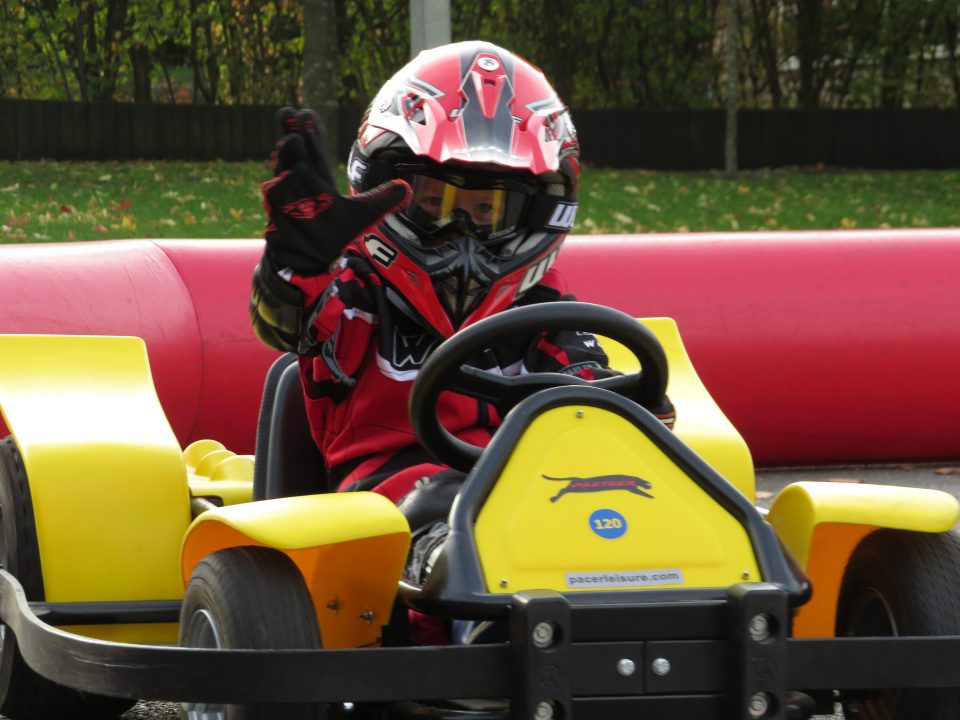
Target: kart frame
(717,666)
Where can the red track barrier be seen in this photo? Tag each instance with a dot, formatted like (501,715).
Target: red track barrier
(820,347)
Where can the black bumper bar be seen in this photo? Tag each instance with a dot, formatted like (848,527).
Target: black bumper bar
(665,673)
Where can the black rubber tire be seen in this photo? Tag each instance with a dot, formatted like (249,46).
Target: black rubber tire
(25,695)
(254,598)
(902,583)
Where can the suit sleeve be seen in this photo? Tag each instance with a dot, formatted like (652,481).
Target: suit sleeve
(282,303)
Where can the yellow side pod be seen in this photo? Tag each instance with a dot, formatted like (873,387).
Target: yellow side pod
(106,474)
(350,548)
(700,422)
(586,501)
(821,523)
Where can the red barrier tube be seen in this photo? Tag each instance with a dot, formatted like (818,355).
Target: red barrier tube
(186,299)
(820,347)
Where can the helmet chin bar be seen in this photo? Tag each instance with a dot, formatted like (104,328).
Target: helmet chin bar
(463,283)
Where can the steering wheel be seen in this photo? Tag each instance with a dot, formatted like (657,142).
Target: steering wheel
(445,369)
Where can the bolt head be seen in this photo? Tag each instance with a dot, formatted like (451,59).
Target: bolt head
(626,667)
(543,634)
(660,666)
(759,627)
(544,710)
(759,705)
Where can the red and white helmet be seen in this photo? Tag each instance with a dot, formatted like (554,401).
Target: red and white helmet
(493,160)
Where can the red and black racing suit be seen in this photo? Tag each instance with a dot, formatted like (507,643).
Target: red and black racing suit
(359,353)
(359,356)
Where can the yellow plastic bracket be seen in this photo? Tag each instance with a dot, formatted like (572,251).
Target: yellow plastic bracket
(700,422)
(350,547)
(215,472)
(821,523)
(105,471)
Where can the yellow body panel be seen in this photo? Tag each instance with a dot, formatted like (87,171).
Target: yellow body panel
(538,532)
(350,547)
(821,524)
(106,473)
(700,422)
(215,472)
(141,634)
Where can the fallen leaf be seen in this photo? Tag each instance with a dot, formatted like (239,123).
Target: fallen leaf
(66,209)
(100,229)
(18,220)
(947,471)
(844,480)
(236,214)
(847,223)
(743,189)
(121,204)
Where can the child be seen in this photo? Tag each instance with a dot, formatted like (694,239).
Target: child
(463,186)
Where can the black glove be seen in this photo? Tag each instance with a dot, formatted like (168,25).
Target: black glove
(309,222)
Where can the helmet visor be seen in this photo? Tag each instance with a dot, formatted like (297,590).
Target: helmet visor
(490,210)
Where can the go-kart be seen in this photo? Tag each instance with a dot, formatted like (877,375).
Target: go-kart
(599,564)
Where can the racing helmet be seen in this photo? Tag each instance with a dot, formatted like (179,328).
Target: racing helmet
(493,160)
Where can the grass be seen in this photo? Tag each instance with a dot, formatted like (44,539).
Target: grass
(791,199)
(58,201)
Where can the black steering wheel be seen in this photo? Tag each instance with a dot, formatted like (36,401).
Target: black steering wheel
(445,369)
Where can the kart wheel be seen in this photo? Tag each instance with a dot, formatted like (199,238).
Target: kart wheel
(25,695)
(249,598)
(902,583)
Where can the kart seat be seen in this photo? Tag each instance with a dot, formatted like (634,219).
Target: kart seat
(287,461)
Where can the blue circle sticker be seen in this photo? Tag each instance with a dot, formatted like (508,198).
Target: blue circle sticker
(608,523)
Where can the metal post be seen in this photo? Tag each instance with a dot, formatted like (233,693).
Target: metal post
(429,24)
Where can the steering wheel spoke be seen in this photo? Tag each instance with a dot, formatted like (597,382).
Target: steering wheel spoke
(484,385)
(505,391)
(621,384)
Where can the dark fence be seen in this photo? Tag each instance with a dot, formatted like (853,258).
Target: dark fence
(55,130)
(655,139)
(694,139)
